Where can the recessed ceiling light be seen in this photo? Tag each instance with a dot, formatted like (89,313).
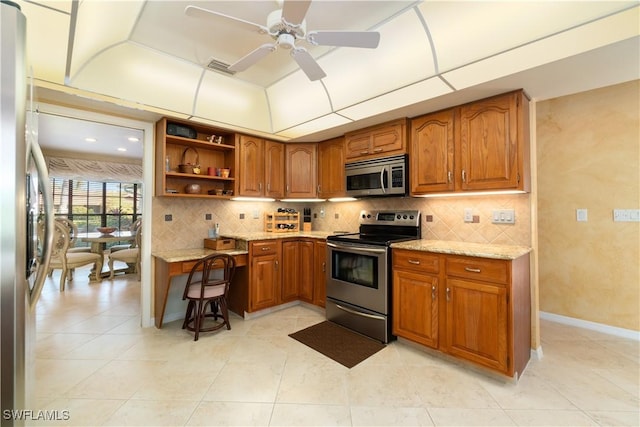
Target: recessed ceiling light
(90,139)
(122,149)
(133,139)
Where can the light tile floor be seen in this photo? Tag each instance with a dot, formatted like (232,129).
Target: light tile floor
(95,361)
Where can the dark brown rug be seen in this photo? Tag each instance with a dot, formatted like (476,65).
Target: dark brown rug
(338,343)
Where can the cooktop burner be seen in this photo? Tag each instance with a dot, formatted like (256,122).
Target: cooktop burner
(381,228)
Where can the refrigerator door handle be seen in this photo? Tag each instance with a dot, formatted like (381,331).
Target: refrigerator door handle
(47,244)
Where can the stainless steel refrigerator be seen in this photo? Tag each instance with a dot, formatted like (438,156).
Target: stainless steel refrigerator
(26,221)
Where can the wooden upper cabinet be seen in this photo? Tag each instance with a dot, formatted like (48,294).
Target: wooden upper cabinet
(432,152)
(482,145)
(261,168)
(386,139)
(274,169)
(251,180)
(494,143)
(301,170)
(331,176)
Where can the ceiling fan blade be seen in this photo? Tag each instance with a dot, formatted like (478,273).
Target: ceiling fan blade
(252,57)
(368,39)
(307,64)
(294,11)
(198,12)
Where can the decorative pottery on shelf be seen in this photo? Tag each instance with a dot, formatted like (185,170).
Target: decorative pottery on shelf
(192,189)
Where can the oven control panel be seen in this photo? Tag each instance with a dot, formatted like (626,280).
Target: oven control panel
(394,218)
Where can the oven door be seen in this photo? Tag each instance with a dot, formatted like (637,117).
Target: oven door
(358,275)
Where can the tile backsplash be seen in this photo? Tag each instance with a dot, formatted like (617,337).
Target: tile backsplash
(189,224)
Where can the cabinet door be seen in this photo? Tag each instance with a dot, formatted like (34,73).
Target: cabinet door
(390,139)
(415,307)
(489,144)
(432,148)
(306,273)
(274,169)
(357,145)
(290,271)
(251,177)
(265,281)
(301,170)
(331,176)
(477,322)
(320,273)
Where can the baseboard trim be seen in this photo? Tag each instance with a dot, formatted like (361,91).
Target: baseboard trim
(585,324)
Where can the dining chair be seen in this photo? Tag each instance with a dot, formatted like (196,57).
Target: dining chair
(62,259)
(73,239)
(129,256)
(134,227)
(208,286)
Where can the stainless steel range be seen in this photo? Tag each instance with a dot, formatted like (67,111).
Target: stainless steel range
(359,277)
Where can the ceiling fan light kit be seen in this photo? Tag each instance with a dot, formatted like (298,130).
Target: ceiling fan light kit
(286,26)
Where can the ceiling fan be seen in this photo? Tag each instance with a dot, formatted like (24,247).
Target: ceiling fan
(286,26)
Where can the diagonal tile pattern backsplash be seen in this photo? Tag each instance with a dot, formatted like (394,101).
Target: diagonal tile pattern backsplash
(189,225)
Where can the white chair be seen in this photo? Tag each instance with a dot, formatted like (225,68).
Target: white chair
(62,259)
(73,238)
(129,256)
(134,227)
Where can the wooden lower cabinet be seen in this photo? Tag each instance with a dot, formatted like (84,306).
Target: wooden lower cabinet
(476,309)
(279,271)
(264,274)
(320,273)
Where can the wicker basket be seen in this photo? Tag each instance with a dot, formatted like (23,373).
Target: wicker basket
(188,167)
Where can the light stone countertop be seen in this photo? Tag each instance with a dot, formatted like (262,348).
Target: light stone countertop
(483,250)
(179,255)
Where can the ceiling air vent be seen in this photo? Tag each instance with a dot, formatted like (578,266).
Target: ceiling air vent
(216,65)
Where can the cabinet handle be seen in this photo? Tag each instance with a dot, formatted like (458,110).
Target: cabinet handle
(464,175)
(324,267)
(433,292)
(266,248)
(260,186)
(287,188)
(448,294)
(472,270)
(449,176)
(377,150)
(276,264)
(269,187)
(413,261)
(364,152)
(318,189)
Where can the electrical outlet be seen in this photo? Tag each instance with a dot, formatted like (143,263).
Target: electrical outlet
(256,214)
(168,217)
(503,216)
(241,216)
(626,215)
(468,215)
(207,217)
(321,212)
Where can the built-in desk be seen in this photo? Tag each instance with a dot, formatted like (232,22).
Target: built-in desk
(172,263)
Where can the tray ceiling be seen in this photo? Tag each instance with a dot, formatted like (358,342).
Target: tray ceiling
(152,56)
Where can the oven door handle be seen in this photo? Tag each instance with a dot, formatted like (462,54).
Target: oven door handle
(357,248)
(358,313)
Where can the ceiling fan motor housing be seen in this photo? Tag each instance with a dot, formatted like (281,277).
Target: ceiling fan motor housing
(278,28)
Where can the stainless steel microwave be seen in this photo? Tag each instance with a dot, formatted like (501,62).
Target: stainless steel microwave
(385,176)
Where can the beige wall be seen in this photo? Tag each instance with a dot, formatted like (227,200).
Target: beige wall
(588,156)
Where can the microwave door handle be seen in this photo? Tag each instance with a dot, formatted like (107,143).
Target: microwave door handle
(47,244)
(382,172)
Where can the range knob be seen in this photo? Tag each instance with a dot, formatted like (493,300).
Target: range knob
(398,216)
(363,216)
(404,216)
(368,215)
(411,217)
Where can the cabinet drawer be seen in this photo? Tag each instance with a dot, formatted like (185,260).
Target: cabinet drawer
(416,260)
(264,248)
(490,270)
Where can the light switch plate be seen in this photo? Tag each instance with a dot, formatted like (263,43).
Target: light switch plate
(503,216)
(581,215)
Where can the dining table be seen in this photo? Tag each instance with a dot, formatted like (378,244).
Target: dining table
(99,240)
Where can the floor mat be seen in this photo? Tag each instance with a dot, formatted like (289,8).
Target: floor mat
(338,343)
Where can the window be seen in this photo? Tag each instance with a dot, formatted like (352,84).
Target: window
(97,204)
